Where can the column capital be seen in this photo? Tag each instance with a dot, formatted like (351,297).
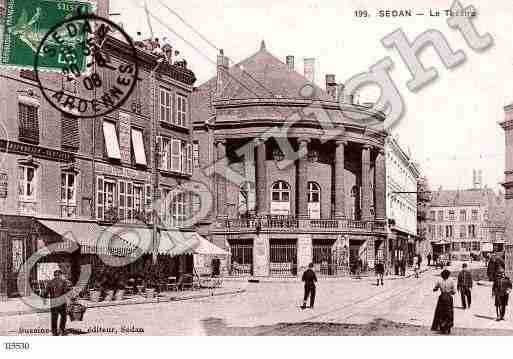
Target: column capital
(218,141)
(301,140)
(340,142)
(381,151)
(260,141)
(367,146)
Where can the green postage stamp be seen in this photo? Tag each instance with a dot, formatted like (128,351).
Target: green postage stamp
(25,24)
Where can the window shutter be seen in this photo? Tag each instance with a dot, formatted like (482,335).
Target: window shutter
(174,110)
(183,157)
(28,123)
(159,152)
(70,137)
(149,198)
(189,159)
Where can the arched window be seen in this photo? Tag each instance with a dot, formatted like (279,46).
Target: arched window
(314,199)
(281,192)
(280,198)
(314,192)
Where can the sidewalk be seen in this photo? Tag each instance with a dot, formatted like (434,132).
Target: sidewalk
(16,306)
(368,277)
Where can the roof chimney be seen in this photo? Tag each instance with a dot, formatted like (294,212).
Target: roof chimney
(222,66)
(290,62)
(331,86)
(310,69)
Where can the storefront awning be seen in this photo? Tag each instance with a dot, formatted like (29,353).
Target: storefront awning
(89,235)
(208,248)
(123,240)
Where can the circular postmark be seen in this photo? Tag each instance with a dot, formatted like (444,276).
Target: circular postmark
(95,81)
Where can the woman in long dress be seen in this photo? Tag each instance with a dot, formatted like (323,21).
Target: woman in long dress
(444,312)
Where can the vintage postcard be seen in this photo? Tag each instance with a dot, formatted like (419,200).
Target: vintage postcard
(271,168)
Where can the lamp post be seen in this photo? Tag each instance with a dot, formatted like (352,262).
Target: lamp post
(155,134)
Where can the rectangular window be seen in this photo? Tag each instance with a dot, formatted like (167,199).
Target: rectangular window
(129,200)
(195,154)
(28,123)
(448,231)
(463,215)
(181,110)
(138,200)
(111,140)
(99,199)
(149,198)
(165,152)
(476,246)
(178,209)
(432,215)
(440,215)
(472,231)
(68,188)
(165,105)
(440,231)
(27,183)
(109,191)
(463,231)
(138,147)
(455,246)
(176,155)
(122,206)
(475,214)
(451,215)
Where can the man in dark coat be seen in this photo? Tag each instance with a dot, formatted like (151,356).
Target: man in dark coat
(310,279)
(500,290)
(56,290)
(380,271)
(429,259)
(495,264)
(465,286)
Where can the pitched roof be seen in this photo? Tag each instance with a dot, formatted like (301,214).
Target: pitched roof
(260,76)
(469,197)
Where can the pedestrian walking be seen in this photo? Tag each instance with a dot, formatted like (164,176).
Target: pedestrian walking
(500,290)
(464,286)
(429,259)
(380,272)
(402,266)
(358,269)
(495,264)
(443,320)
(310,279)
(416,266)
(55,290)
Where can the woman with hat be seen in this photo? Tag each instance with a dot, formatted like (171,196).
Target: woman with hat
(444,312)
(500,290)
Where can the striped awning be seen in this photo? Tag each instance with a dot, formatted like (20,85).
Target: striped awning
(89,235)
(123,240)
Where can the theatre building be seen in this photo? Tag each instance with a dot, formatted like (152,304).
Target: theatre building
(63,177)
(276,213)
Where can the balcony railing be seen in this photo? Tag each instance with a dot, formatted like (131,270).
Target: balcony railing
(68,210)
(288,222)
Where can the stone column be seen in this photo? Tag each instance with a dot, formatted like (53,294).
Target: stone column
(302,178)
(340,199)
(380,185)
(261,249)
(366,216)
(304,252)
(260,178)
(222,162)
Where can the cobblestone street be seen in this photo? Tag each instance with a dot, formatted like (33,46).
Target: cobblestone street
(343,307)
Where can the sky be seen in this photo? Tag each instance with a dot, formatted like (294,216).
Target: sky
(450,126)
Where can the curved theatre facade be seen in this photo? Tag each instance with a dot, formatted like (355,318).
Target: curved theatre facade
(297,172)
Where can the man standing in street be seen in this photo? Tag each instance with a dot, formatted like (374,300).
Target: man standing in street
(56,290)
(500,290)
(380,271)
(310,279)
(429,259)
(465,286)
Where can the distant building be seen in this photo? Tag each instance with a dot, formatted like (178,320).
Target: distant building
(465,222)
(401,183)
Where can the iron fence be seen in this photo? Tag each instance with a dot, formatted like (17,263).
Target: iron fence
(242,259)
(283,259)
